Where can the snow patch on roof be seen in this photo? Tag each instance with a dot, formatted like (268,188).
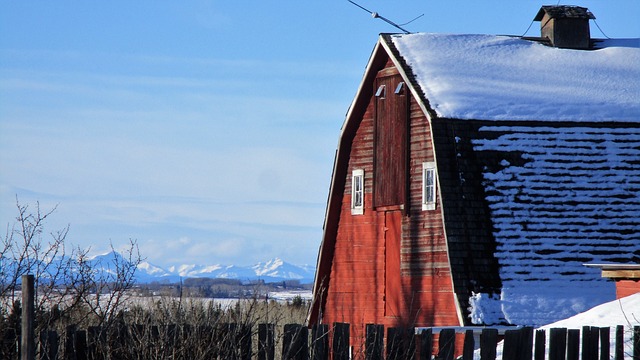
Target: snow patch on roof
(572,197)
(488,77)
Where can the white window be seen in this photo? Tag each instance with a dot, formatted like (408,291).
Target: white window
(428,186)
(357,192)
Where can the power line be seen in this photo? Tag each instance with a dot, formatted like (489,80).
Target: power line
(605,35)
(375,15)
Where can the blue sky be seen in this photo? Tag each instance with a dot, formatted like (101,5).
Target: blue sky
(205,130)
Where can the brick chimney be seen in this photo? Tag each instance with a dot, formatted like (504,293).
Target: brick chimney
(565,26)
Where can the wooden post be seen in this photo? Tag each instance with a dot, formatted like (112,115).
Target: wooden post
(557,344)
(244,340)
(340,346)
(295,342)
(426,344)
(469,345)
(511,343)
(488,343)
(590,337)
(48,345)
(447,344)
(395,343)
(573,344)
(636,342)
(94,343)
(69,348)
(605,343)
(410,343)
(320,342)
(525,352)
(28,342)
(266,341)
(374,342)
(541,344)
(80,344)
(619,350)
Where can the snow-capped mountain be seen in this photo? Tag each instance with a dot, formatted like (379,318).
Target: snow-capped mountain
(106,265)
(270,271)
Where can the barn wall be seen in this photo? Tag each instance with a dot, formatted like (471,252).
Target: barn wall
(627,287)
(366,284)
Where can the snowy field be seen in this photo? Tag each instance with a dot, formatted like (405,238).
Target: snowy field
(625,311)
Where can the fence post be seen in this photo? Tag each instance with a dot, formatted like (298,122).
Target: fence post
(426,344)
(511,343)
(540,346)
(526,343)
(69,351)
(573,344)
(28,333)
(636,342)
(395,348)
(590,335)
(266,341)
(48,345)
(320,342)
(557,343)
(80,344)
(340,346)
(605,343)
(447,344)
(469,345)
(488,343)
(295,342)
(619,347)
(244,339)
(374,342)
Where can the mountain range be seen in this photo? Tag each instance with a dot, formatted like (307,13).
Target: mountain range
(274,270)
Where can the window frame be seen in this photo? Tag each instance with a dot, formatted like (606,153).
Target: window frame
(429,190)
(357,178)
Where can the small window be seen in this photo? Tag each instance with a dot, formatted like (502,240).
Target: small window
(357,192)
(400,89)
(428,186)
(381,92)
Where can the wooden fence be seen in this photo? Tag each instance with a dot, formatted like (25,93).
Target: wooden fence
(234,341)
(297,342)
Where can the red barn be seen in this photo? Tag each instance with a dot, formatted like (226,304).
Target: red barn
(475,174)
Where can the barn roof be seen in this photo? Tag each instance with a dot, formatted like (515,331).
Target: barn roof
(557,12)
(542,142)
(549,139)
(488,77)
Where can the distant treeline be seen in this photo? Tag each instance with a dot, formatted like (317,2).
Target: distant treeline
(219,288)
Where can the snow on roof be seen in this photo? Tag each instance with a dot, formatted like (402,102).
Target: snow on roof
(572,197)
(487,77)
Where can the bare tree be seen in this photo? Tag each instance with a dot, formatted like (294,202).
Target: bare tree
(71,288)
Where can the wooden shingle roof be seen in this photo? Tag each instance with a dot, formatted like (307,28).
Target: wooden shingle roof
(558,12)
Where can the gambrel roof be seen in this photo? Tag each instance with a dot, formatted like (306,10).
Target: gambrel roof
(538,154)
(486,77)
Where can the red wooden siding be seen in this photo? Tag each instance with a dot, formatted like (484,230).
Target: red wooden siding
(390,264)
(393,286)
(627,287)
(390,141)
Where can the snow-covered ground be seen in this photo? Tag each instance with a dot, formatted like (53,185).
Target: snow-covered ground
(625,311)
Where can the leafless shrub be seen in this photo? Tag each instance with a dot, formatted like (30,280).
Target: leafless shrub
(69,289)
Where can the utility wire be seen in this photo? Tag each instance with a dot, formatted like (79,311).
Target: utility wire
(605,35)
(375,15)
(526,31)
